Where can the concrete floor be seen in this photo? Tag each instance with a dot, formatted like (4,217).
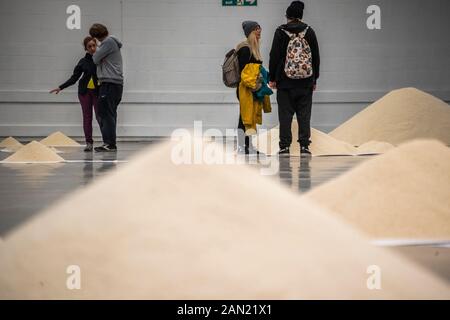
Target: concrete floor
(26,189)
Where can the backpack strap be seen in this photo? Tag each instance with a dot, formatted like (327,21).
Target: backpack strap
(294,35)
(303,33)
(242,45)
(289,34)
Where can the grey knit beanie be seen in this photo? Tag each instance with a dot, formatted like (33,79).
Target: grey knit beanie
(249,26)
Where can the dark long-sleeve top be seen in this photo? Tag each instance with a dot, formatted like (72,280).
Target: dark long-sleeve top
(278,56)
(245,56)
(86,69)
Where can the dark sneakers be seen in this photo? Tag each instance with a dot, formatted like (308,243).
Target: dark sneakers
(89,147)
(304,150)
(240,150)
(248,151)
(252,151)
(284,152)
(105,148)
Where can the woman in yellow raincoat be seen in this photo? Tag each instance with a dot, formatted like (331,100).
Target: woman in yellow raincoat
(250,61)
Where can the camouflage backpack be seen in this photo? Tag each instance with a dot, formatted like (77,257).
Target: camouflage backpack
(298,56)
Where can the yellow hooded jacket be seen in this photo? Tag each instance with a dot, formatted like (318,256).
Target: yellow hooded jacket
(251,108)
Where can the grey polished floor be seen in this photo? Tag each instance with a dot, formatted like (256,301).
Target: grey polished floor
(26,189)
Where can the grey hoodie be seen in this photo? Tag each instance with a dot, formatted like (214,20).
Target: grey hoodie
(109,61)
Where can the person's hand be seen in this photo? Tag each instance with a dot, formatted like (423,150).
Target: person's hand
(314,87)
(55,91)
(272,84)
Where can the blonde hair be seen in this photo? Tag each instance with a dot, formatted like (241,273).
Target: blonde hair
(253,43)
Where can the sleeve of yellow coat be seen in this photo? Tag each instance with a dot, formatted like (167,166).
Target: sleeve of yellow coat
(251,109)
(250,75)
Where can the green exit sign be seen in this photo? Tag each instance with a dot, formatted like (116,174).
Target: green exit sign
(243,3)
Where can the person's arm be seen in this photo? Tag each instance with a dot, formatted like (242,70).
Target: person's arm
(77,72)
(102,51)
(275,56)
(314,45)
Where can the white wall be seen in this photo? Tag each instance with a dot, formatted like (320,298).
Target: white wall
(173,51)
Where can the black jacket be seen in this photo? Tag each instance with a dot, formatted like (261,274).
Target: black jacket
(278,56)
(245,57)
(85,69)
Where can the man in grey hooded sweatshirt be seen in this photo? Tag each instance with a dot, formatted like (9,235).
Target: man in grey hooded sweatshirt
(110,75)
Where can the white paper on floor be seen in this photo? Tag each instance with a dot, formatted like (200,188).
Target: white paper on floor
(411,242)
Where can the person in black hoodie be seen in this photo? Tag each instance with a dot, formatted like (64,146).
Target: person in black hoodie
(87,88)
(294,96)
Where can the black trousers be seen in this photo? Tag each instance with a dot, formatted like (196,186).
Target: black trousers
(109,97)
(296,101)
(242,139)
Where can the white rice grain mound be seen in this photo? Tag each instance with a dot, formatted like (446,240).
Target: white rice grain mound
(403,194)
(10,144)
(322,144)
(59,139)
(165,231)
(34,152)
(399,116)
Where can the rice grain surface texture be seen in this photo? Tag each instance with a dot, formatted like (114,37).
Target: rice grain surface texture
(162,230)
(34,152)
(59,139)
(374,147)
(10,144)
(403,194)
(401,115)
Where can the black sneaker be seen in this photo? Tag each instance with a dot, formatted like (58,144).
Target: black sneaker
(304,150)
(284,151)
(89,147)
(240,150)
(252,151)
(105,148)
